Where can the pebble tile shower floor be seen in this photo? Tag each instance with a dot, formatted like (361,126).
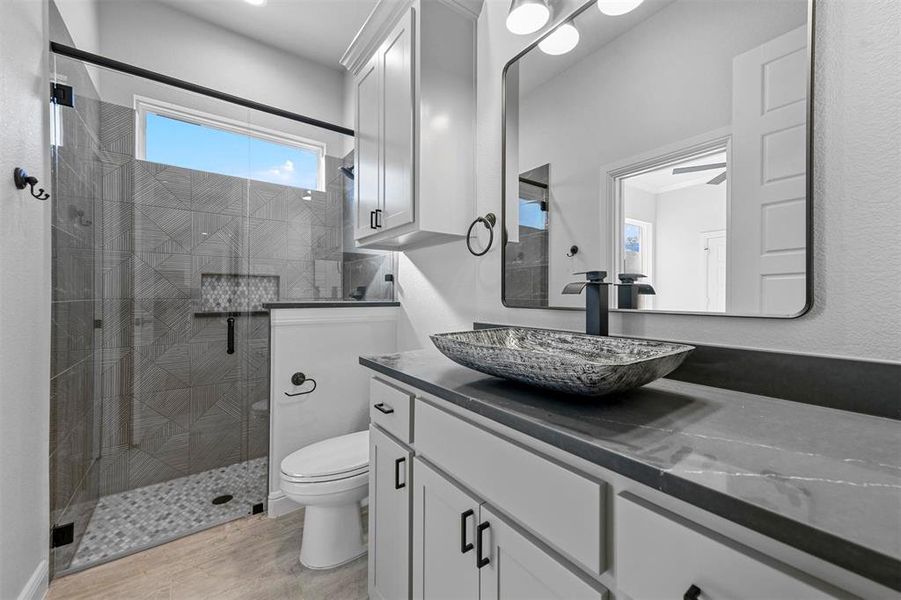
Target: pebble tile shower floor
(137,519)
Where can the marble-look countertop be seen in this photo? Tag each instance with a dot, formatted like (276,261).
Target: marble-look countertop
(825,481)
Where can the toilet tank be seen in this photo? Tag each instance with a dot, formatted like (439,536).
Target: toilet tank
(325,345)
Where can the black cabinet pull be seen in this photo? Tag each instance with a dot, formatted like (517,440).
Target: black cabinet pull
(464,545)
(397,484)
(693,593)
(481,561)
(372,224)
(383,408)
(378,219)
(231,336)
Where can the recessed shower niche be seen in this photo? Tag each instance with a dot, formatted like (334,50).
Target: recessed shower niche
(230,293)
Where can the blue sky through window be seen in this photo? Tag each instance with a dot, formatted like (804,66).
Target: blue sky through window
(531,215)
(203,148)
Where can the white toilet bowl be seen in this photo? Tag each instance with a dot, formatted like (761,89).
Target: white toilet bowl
(329,478)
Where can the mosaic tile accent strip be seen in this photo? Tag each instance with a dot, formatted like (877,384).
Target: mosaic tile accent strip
(137,519)
(219,293)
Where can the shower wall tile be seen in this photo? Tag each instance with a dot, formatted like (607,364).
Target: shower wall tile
(117,129)
(163,186)
(219,194)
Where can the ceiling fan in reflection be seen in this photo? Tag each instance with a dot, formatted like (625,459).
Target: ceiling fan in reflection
(695,168)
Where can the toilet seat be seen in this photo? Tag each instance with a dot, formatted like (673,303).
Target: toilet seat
(333,459)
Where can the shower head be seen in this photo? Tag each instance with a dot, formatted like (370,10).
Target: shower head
(348,171)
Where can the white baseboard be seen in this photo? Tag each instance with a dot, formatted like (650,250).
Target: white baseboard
(36,587)
(280,504)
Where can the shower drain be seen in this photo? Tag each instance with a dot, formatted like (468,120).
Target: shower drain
(222,499)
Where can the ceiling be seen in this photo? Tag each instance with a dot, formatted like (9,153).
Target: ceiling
(318,30)
(663,180)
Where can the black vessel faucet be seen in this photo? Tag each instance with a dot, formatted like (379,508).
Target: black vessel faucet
(597,301)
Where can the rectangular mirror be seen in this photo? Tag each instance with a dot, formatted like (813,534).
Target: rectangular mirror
(670,148)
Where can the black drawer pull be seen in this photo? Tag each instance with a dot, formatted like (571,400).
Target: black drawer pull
(481,561)
(397,484)
(693,593)
(372,220)
(378,218)
(464,545)
(383,408)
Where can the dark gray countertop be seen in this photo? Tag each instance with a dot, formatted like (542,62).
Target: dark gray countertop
(825,481)
(329,304)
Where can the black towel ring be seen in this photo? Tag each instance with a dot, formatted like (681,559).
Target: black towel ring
(490,221)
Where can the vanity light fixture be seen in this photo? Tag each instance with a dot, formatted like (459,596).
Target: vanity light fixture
(615,8)
(527,16)
(561,41)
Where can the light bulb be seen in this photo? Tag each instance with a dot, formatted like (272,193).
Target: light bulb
(527,16)
(614,8)
(561,41)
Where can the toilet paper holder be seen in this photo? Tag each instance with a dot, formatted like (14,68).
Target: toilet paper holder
(299,379)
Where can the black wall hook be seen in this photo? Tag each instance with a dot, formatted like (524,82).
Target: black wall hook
(24,180)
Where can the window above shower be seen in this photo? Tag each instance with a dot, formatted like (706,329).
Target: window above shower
(192,139)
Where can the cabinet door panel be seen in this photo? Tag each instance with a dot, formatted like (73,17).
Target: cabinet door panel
(389,518)
(367,175)
(441,569)
(661,555)
(396,64)
(520,570)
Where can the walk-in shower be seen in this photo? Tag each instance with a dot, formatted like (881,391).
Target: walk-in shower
(176,216)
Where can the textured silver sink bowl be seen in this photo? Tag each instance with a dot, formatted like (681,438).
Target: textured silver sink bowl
(565,362)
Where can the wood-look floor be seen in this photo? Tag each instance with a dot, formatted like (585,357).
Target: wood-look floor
(255,558)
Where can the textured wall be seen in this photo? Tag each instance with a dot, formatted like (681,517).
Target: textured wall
(24,301)
(857,163)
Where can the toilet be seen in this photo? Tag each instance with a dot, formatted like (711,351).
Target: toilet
(329,478)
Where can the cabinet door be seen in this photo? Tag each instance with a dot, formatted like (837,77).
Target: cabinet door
(396,65)
(389,518)
(444,526)
(367,157)
(513,568)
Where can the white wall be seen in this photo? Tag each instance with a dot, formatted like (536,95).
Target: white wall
(653,86)
(156,37)
(325,344)
(82,18)
(857,125)
(682,215)
(24,303)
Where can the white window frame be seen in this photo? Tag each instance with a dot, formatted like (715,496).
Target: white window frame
(647,250)
(144,105)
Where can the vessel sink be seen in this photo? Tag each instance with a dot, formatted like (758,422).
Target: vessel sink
(574,363)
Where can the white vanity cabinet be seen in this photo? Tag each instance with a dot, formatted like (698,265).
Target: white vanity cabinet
(460,543)
(414,91)
(492,514)
(389,517)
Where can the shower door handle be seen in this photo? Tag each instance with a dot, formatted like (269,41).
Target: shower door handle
(231,335)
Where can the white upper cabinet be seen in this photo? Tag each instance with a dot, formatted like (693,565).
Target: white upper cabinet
(414,88)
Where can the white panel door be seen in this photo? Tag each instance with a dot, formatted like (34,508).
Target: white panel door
(396,64)
(714,253)
(367,156)
(767,236)
(513,568)
(444,529)
(389,518)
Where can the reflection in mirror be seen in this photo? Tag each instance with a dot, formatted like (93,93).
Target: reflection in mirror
(526,266)
(677,134)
